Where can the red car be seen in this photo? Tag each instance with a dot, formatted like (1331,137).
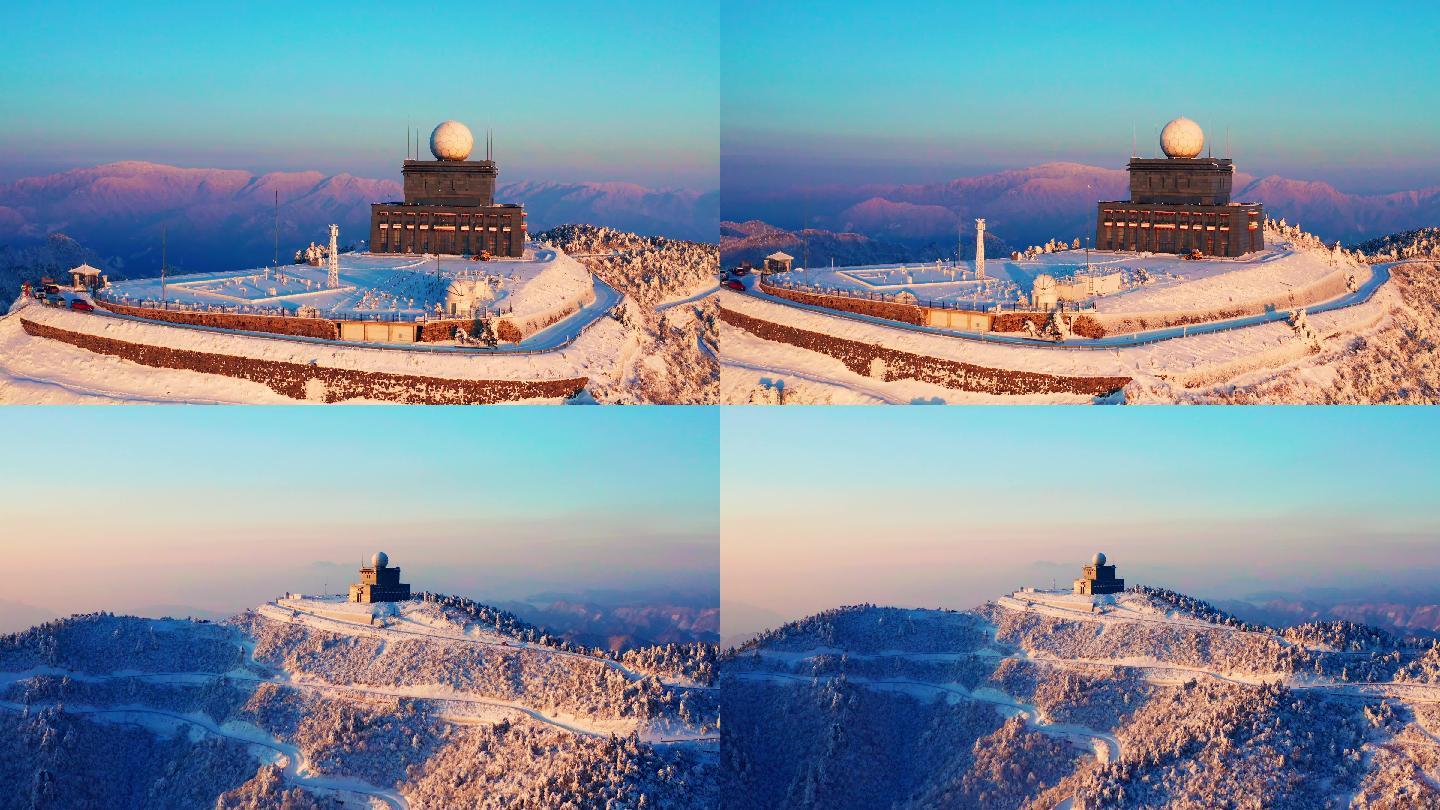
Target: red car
(735,285)
(81,305)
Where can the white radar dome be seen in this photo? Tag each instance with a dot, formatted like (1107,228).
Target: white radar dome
(1099,558)
(1182,138)
(380,560)
(451,141)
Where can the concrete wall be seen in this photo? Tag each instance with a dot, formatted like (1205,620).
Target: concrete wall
(378,331)
(273,324)
(961,319)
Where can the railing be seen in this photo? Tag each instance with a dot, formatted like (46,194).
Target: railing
(973,305)
(281,312)
(502,349)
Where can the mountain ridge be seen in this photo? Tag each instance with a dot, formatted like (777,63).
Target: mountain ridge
(225,218)
(1029,205)
(1044,699)
(435,702)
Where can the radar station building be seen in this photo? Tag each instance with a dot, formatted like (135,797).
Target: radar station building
(1097,578)
(449,205)
(379,582)
(1181,203)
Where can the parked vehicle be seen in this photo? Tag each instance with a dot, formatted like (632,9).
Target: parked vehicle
(81,305)
(735,285)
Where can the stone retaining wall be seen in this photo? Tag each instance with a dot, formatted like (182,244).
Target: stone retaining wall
(318,383)
(508,328)
(891,364)
(889,310)
(1082,325)
(274,324)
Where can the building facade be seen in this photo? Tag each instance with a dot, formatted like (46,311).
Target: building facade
(1180,204)
(379,582)
(449,208)
(1098,578)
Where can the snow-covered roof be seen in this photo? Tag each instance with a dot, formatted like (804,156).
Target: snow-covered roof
(86,270)
(779,256)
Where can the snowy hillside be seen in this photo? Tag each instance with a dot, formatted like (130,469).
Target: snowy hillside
(671,311)
(1423,243)
(1044,699)
(436,702)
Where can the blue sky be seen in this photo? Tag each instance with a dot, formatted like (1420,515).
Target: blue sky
(1328,91)
(223,508)
(573,90)
(921,507)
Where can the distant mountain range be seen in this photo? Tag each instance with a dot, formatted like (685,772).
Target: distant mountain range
(622,627)
(1395,614)
(1056,200)
(224,218)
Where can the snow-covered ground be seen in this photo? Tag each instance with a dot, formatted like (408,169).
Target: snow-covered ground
(372,285)
(36,369)
(1172,366)
(1152,282)
(360,702)
(1158,683)
(656,350)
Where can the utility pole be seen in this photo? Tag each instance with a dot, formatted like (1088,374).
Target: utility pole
(277,229)
(805,234)
(162,266)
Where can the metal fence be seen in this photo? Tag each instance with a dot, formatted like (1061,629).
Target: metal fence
(281,312)
(973,305)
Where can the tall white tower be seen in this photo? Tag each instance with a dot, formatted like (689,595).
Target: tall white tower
(332,280)
(979,248)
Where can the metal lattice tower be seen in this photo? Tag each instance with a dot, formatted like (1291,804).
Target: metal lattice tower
(332,280)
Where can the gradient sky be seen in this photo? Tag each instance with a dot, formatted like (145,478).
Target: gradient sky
(934,507)
(923,92)
(574,90)
(221,509)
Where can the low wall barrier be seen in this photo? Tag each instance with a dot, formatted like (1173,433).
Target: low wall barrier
(318,383)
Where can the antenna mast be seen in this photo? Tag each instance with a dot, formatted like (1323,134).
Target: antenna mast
(277,228)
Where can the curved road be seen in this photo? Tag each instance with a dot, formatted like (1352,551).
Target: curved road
(688,299)
(1380,273)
